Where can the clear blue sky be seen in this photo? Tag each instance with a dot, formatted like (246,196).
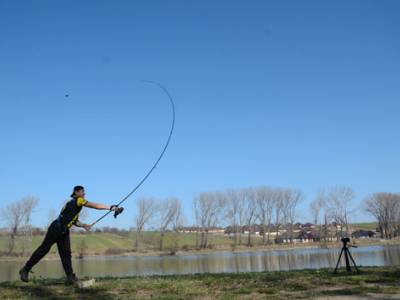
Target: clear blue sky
(302,94)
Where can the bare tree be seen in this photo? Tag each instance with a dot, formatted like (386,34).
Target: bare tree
(315,207)
(278,207)
(319,213)
(198,220)
(235,213)
(207,207)
(177,222)
(13,215)
(328,214)
(18,214)
(168,211)
(146,210)
(339,200)
(290,200)
(385,207)
(265,205)
(249,198)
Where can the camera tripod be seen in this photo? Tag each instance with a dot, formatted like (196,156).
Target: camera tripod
(347,255)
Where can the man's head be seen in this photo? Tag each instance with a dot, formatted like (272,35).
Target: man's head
(79,191)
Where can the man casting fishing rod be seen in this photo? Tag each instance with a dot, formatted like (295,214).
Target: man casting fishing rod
(58,232)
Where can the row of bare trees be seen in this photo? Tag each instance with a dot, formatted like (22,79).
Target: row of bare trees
(243,208)
(274,210)
(236,208)
(385,207)
(332,208)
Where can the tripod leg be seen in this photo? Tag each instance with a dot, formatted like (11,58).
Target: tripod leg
(346,256)
(337,264)
(354,263)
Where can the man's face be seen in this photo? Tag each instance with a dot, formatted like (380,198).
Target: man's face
(80,193)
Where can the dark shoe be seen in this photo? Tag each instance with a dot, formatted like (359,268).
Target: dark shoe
(71,279)
(24,274)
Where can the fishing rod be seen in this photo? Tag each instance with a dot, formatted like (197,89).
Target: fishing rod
(120,209)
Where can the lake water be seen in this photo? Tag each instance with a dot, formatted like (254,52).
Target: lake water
(255,261)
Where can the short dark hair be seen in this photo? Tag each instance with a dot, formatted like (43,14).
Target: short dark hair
(77,189)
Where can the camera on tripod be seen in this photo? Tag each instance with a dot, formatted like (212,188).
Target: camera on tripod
(347,255)
(346,243)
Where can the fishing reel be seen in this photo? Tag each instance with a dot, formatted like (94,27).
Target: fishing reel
(117,211)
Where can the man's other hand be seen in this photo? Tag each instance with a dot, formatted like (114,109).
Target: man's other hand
(87,227)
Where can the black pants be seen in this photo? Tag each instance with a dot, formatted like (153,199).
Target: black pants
(55,234)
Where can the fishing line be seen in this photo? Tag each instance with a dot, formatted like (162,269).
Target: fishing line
(160,156)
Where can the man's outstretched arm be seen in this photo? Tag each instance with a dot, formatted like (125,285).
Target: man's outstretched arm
(100,206)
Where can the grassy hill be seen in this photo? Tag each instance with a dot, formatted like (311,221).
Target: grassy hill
(366,226)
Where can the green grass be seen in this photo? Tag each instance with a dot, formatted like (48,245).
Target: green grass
(100,243)
(379,282)
(95,242)
(365,226)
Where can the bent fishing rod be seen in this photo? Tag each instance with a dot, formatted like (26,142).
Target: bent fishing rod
(156,162)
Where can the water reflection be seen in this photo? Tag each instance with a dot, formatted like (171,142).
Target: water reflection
(277,260)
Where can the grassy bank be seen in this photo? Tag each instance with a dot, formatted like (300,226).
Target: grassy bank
(110,243)
(372,283)
(95,243)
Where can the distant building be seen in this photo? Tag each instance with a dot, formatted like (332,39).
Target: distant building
(362,234)
(190,229)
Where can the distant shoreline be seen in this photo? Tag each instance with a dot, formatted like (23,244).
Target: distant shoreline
(239,249)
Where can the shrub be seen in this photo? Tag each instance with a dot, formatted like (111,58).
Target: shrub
(114,251)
